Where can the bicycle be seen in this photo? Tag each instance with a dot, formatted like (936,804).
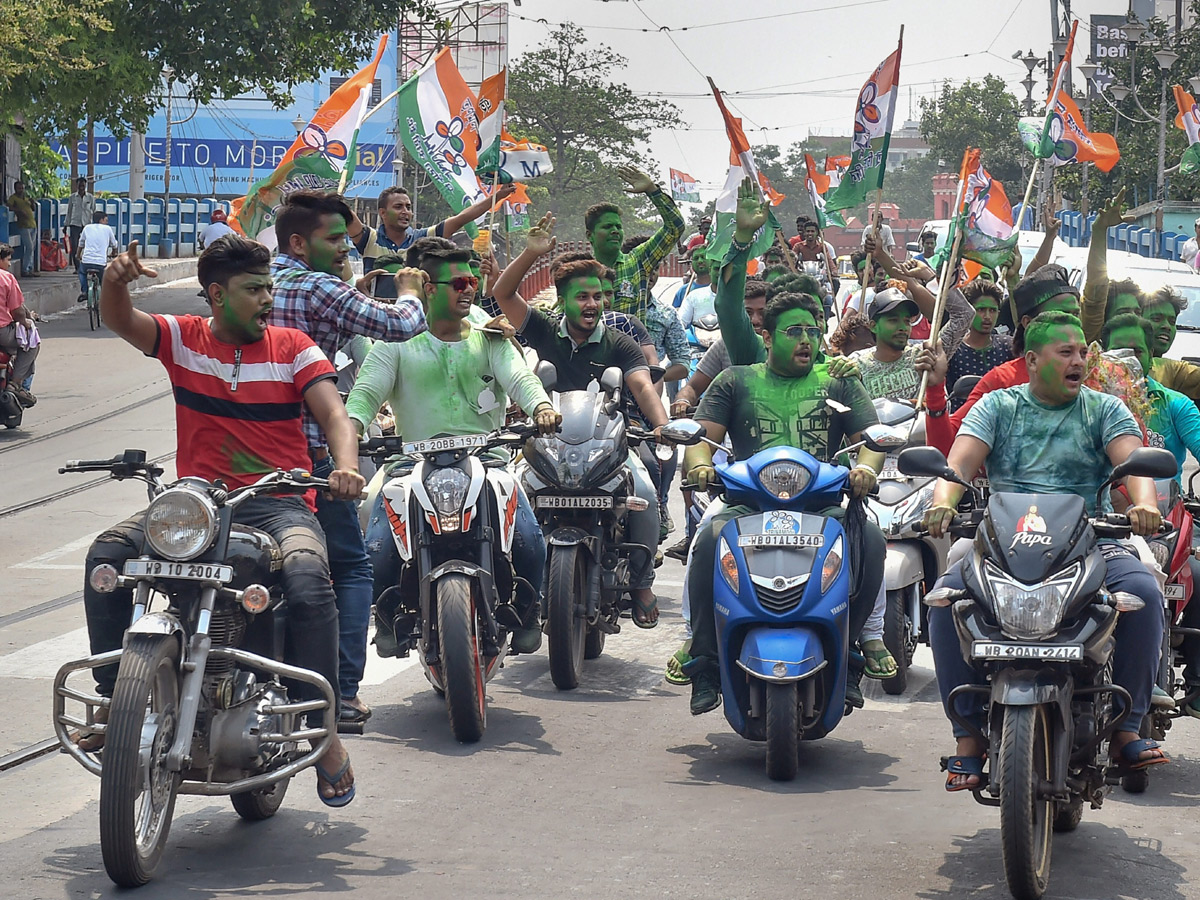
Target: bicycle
(93,299)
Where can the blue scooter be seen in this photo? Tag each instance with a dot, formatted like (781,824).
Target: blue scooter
(781,588)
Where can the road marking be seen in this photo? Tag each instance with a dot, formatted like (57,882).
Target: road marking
(43,561)
(42,660)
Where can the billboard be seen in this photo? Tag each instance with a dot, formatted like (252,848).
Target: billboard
(1110,49)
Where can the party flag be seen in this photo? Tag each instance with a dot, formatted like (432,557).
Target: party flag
(872,133)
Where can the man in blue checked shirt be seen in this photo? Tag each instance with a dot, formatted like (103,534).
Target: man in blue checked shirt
(310,230)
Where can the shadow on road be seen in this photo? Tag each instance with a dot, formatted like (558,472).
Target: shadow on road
(1093,861)
(213,854)
(826,765)
(1176,784)
(419,722)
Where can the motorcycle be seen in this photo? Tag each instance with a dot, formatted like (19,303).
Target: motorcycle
(914,559)
(1173,551)
(1037,620)
(701,334)
(198,707)
(581,489)
(781,589)
(11,410)
(453,518)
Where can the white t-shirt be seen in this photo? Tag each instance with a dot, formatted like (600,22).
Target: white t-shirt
(1189,251)
(885,236)
(699,302)
(95,240)
(214,232)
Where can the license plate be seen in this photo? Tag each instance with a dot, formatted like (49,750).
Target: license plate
(574,502)
(890,472)
(155,568)
(1174,592)
(781,540)
(437,445)
(982,483)
(1046,652)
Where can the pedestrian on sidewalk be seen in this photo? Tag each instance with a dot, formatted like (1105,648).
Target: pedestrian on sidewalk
(22,206)
(12,315)
(80,209)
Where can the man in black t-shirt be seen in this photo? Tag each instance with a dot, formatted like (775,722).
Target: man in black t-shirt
(581,348)
(982,349)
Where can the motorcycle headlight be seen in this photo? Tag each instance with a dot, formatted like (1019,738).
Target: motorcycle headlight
(1027,611)
(832,565)
(783,480)
(569,465)
(180,524)
(447,488)
(1162,555)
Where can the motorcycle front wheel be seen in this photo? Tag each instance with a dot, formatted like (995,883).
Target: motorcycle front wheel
(566,592)
(897,637)
(462,661)
(783,731)
(137,792)
(1026,820)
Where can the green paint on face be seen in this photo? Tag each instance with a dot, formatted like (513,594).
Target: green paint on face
(1132,339)
(583,302)
(987,276)
(442,300)
(1123,303)
(1057,367)
(792,357)
(986,311)
(700,263)
(607,235)
(328,246)
(609,292)
(1067,303)
(1162,316)
(243,307)
(892,329)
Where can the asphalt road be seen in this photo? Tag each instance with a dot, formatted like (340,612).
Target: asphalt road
(612,790)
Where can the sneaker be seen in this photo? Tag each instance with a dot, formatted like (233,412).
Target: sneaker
(385,642)
(1160,699)
(679,550)
(82,298)
(706,691)
(526,640)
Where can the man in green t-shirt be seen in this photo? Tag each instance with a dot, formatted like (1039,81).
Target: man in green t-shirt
(19,203)
(781,403)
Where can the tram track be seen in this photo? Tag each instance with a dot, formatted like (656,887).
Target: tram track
(79,488)
(76,426)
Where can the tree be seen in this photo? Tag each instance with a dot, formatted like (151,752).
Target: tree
(979,114)
(562,95)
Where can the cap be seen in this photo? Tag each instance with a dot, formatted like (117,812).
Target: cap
(1035,289)
(1198,223)
(887,300)
(217,215)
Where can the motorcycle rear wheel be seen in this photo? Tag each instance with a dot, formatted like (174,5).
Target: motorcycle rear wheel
(1026,821)
(783,731)
(897,637)
(137,800)
(566,590)
(255,806)
(462,661)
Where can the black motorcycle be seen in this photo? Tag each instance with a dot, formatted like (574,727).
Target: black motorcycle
(199,705)
(1037,621)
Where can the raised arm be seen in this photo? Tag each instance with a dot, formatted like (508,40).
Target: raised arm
(743,343)
(647,255)
(116,306)
(1050,225)
(476,209)
(1095,288)
(538,243)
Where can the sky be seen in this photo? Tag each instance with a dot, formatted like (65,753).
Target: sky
(800,63)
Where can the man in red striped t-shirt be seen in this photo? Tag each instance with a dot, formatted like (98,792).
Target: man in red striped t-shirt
(239,388)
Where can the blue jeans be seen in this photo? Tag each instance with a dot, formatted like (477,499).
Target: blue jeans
(84,268)
(29,250)
(1135,659)
(351,571)
(528,548)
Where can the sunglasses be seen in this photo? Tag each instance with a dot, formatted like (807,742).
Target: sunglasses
(795,332)
(461,282)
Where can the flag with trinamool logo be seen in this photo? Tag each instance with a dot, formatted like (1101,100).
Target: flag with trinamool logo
(872,134)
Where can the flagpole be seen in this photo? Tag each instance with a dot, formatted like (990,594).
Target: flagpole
(495,184)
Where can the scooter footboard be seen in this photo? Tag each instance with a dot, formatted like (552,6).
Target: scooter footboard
(782,655)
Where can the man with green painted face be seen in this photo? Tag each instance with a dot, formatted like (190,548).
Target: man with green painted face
(1161,309)
(781,403)
(310,296)
(606,234)
(580,347)
(982,349)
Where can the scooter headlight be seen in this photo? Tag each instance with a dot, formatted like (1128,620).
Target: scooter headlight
(1031,612)
(180,524)
(729,568)
(832,565)
(783,480)
(447,488)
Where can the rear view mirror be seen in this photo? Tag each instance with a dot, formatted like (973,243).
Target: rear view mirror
(892,412)
(926,461)
(547,374)
(912,248)
(1148,462)
(882,438)
(611,379)
(683,431)
(963,387)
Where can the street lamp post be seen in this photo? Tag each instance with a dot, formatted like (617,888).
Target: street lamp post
(298,123)
(169,75)
(1032,61)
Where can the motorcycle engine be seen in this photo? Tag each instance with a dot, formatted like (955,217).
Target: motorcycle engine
(236,733)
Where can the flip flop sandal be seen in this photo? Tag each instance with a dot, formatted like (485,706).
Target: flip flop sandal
(675,673)
(332,780)
(351,715)
(91,741)
(644,610)
(954,766)
(1127,759)
(878,655)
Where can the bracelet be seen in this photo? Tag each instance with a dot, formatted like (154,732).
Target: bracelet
(866,468)
(935,413)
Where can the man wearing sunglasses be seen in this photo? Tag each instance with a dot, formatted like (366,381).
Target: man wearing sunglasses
(780,402)
(310,296)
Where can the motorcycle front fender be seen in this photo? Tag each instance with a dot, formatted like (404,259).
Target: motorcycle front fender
(781,655)
(1031,687)
(162,623)
(903,565)
(569,536)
